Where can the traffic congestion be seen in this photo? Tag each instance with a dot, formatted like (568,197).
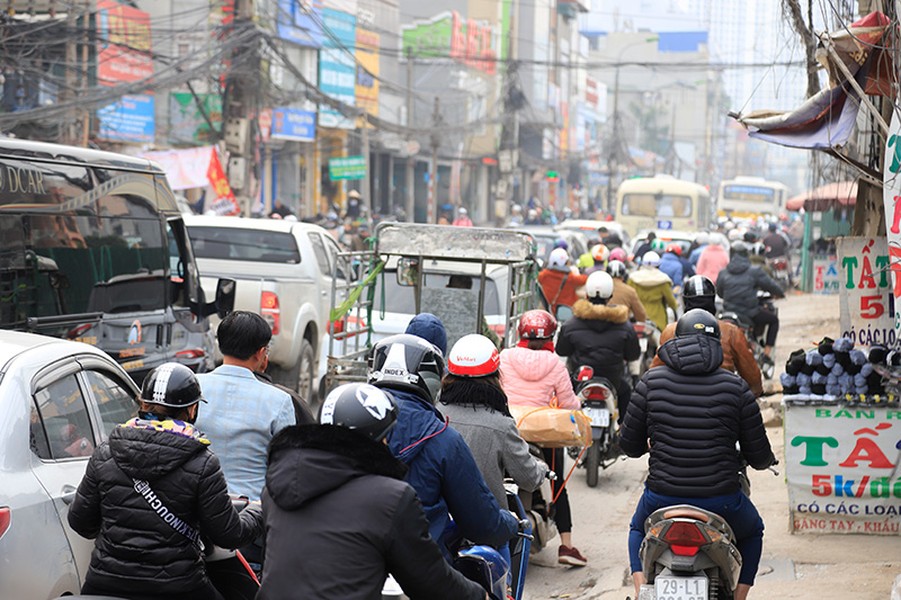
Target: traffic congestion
(484,300)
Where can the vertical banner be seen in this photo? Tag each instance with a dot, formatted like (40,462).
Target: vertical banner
(866,303)
(891,197)
(841,462)
(225,202)
(337,67)
(367,85)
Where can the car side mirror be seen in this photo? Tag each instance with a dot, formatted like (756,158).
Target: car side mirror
(225,297)
(407,271)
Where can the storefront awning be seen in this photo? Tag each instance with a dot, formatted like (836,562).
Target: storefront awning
(842,193)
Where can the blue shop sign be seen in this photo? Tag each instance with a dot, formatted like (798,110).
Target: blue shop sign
(293,124)
(129,119)
(298,24)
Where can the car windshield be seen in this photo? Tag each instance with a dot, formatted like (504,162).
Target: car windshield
(252,245)
(400,299)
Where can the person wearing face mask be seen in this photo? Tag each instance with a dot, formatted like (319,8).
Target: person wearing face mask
(150,492)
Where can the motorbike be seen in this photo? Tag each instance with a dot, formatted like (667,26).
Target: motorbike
(781,271)
(688,554)
(648,336)
(598,398)
(756,334)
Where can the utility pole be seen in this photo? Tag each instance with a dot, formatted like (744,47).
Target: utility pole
(435,140)
(613,149)
(513,98)
(410,205)
(367,178)
(239,105)
(68,131)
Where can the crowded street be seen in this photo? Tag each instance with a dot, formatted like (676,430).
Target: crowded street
(450,300)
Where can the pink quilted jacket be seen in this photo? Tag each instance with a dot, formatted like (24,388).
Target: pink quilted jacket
(533,377)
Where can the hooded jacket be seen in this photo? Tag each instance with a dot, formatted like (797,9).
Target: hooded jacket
(134,546)
(655,290)
(533,377)
(445,476)
(601,337)
(431,329)
(738,285)
(672,266)
(493,438)
(693,412)
(339,517)
(737,356)
(713,259)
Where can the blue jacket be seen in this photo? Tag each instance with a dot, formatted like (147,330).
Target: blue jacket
(695,255)
(688,269)
(672,266)
(431,329)
(445,475)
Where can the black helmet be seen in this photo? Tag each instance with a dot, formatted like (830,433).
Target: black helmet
(758,249)
(407,362)
(361,407)
(740,248)
(698,321)
(616,269)
(698,285)
(173,385)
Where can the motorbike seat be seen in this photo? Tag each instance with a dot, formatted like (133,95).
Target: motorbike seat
(684,512)
(687,511)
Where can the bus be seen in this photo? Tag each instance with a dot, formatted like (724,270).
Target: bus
(749,197)
(93,249)
(662,202)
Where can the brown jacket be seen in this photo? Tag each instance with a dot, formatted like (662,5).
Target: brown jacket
(625,295)
(552,285)
(737,355)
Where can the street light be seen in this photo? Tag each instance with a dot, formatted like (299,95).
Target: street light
(614,145)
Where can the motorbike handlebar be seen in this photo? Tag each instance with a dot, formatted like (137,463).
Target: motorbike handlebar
(522,526)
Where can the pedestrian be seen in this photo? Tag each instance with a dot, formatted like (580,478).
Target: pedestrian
(354,205)
(339,516)
(689,414)
(462,219)
(150,492)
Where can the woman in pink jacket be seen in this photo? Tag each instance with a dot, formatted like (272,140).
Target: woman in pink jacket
(533,375)
(714,258)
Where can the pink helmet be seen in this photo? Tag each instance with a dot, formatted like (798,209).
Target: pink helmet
(618,254)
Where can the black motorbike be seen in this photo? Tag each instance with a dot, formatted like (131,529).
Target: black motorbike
(598,398)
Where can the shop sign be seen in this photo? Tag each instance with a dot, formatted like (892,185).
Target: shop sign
(891,197)
(337,68)
(124,44)
(473,43)
(293,124)
(367,83)
(866,303)
(130,119)
(299,22)
(825,275)
(187,123)
(842,468)
(347,167)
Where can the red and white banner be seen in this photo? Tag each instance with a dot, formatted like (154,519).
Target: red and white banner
(198,168)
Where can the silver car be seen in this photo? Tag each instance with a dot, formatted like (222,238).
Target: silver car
(58,401)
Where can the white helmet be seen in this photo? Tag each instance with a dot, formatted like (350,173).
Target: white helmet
(558,260)
(703,238)
(650,259)
(462,210)
(599,286)
(616,269)
(734,235)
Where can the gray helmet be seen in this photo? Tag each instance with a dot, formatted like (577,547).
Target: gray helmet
(407,362)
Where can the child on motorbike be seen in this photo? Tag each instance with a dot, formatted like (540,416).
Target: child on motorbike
(532,375)
(150,491)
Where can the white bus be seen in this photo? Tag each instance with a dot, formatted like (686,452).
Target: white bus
(662,202)
(749,197)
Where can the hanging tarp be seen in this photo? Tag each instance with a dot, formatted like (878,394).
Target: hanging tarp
(843,193)
(826,120)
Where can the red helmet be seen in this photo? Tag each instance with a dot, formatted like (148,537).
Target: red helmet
(675,249)
(537,325)
(473,355)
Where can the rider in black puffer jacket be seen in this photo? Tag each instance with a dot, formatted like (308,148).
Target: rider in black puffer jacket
(693,412)
(138,554)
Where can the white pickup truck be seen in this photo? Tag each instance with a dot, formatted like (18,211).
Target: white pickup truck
(283,272)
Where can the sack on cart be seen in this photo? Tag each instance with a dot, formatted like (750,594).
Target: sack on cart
(551,427)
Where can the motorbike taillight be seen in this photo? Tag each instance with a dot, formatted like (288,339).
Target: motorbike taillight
(585,373)
(596,392)
(684,538)
(639,327)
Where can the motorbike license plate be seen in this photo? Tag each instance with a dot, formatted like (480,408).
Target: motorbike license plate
(600,417)
(680,588)
(643,344)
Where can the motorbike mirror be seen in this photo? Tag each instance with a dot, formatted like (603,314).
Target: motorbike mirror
(563,313)
(407,271)
(585,373)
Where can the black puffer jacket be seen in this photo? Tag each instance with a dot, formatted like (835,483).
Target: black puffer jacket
(738,283)
(601,337)
(134,545)
(693,412)
(339,517)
